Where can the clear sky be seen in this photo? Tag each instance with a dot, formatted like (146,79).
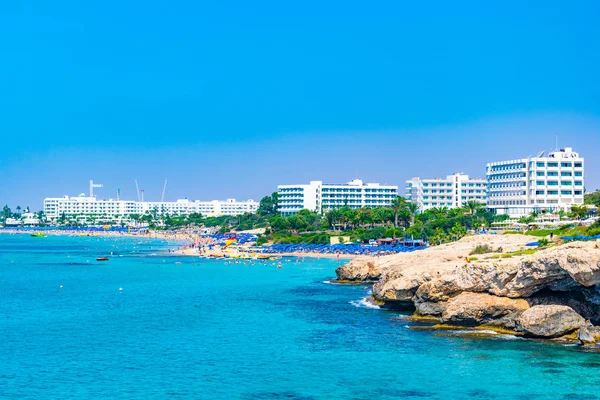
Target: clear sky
(229,99)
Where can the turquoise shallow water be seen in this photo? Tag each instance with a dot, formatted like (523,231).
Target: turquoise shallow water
(204,329)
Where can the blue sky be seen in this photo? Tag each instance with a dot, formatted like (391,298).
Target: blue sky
(231,99)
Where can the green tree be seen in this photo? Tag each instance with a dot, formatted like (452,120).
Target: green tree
(333,217)
(412,209)
(379,215)
(268,205)
(592,198)
(279,224)
(6,212)
(473,206)
(398,204)
(579,211)
(458,231)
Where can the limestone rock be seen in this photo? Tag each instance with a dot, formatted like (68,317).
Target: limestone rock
(549,321)
(365,269)
(430,308)
(481,308)
(579,300)
(585,336)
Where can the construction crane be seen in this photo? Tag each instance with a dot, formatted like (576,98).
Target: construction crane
(137,188)
(94,185)
(162,198)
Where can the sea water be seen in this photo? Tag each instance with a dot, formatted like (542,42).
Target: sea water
(185,327)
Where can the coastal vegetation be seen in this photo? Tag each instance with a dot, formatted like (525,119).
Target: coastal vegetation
(592,198)
(400,220)
(345,224)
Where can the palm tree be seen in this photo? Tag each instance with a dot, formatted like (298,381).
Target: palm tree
(332,217)
(579,211)
(472,206)
(379,215)
(412,208)
(346,215)
(367,216)
(397,205)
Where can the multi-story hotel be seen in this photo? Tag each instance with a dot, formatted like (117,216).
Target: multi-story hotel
(552,182)
(115,209)
(453,191)
(320,197)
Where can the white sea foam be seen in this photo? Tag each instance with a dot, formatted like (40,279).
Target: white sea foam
(489,332)
(509,337)
(364,303)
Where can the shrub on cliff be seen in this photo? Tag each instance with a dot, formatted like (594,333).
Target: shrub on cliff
(482,249)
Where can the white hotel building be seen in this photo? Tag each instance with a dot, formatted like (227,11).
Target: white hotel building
(453,191)
(553,182)
(115,209)
(320,197)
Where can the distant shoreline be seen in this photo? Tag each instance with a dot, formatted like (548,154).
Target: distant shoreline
(183,249)
(61,232)
(193,252)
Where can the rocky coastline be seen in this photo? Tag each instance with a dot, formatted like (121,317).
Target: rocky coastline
(548,293)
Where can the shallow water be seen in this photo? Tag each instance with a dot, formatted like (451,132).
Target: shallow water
(204,329)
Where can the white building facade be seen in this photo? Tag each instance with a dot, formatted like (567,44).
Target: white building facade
(553,182)
(85,207)
(320,197)
(453,191)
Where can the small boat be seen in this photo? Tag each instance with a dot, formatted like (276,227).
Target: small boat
(102,259)
(38,234)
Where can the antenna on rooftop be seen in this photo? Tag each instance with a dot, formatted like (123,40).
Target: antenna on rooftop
(94,185)
(162,198)
(142,195)
(137,188)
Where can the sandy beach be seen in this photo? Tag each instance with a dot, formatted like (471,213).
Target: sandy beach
(59,232)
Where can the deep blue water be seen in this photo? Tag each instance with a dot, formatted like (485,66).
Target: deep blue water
(204,329)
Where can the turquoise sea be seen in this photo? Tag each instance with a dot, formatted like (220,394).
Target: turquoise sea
(184,327)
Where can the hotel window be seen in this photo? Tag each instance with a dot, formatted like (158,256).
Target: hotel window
(539,192)
(553,173)
(578,173)
(578,183)
(552,183)
(540,183)
(540,164)
(566,164)
(565,173)
(578,165)
(566,183)
(552,164)
(566,192)
(578,192)
(539,173)
(552,192)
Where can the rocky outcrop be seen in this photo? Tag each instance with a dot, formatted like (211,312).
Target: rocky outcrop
(468,309)
(579,300)
(545,294)
(361,269)
(549,321)
(585,335)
